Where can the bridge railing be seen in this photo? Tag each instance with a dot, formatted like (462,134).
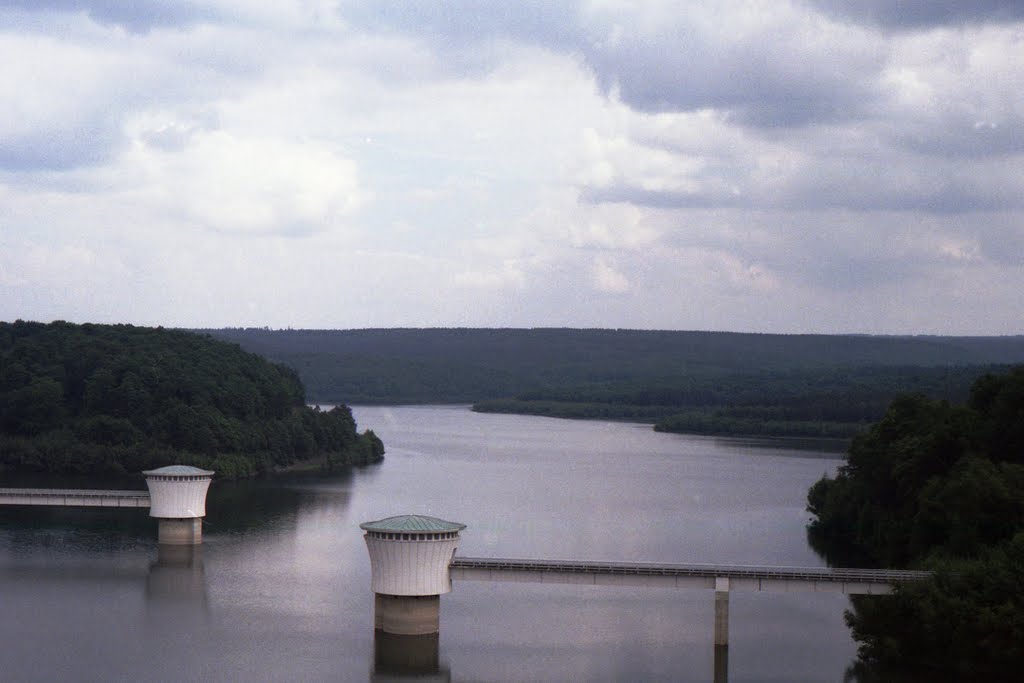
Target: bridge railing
(74,497)
(839,575)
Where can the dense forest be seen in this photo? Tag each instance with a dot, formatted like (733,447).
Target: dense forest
(117,398)
(823,402)
(937,486)
(697,382)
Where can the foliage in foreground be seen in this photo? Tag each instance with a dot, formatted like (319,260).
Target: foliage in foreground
(940,487)
(89,399)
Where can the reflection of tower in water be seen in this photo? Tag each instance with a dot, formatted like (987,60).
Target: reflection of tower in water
(407,658)
(177,577)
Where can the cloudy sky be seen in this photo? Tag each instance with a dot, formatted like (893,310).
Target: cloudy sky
(777,166)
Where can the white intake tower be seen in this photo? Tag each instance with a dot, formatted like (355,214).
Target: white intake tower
(177,495)
(409,558)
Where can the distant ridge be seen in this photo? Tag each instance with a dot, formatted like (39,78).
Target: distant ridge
(421,365)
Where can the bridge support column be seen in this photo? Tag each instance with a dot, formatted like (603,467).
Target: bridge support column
(721,611)
(721,629)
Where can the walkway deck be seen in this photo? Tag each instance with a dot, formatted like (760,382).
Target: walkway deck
(75,498)
(738,577)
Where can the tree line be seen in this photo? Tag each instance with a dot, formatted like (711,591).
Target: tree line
(118,398)
(938,486)
(696,382)
(837,402)
(461,365)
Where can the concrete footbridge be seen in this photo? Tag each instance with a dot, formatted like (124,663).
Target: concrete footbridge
(75,498)
(413,563)
(708,576)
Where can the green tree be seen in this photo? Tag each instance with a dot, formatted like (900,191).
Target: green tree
(92,398)
(939,487)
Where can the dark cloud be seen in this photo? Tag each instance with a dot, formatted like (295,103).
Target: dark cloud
(839,271)
(820,249)
(854,185)
(764,79)
(963,138)
(86,143)
(138,16)
(917,184)
(463,22)
(918,14)
(1002,240)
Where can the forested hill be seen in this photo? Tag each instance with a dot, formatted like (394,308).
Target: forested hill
(940,487)
(116,398)
(467,365)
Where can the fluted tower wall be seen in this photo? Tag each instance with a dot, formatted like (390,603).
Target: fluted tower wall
(181,497)
(411,564)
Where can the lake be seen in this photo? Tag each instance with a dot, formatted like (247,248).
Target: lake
(280,588)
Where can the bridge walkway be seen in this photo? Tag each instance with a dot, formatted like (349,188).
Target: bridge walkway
(75,498)
(719,577)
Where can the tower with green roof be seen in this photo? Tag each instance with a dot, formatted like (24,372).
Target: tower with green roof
(177,495)
(409,558)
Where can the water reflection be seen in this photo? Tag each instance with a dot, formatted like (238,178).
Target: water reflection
(102,530)
(794,446)
(721,664)
(177,576)
(256,504)
(280,590)
(407,658)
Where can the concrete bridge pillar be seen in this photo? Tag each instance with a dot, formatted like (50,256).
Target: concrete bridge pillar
(409,558)
(721,629)
(177,495)
(721,611)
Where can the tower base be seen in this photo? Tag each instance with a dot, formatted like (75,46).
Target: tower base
(407,615)
(180,531)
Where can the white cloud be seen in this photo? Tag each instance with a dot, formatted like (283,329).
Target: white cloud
(55,101)
(607,278)
(252,186)
(509,274)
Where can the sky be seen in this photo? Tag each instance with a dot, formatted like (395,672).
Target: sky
(790,166)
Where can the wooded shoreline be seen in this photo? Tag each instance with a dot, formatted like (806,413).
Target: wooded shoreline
(720,383)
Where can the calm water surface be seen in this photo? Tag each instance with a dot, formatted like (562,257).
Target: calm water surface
(280,589)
